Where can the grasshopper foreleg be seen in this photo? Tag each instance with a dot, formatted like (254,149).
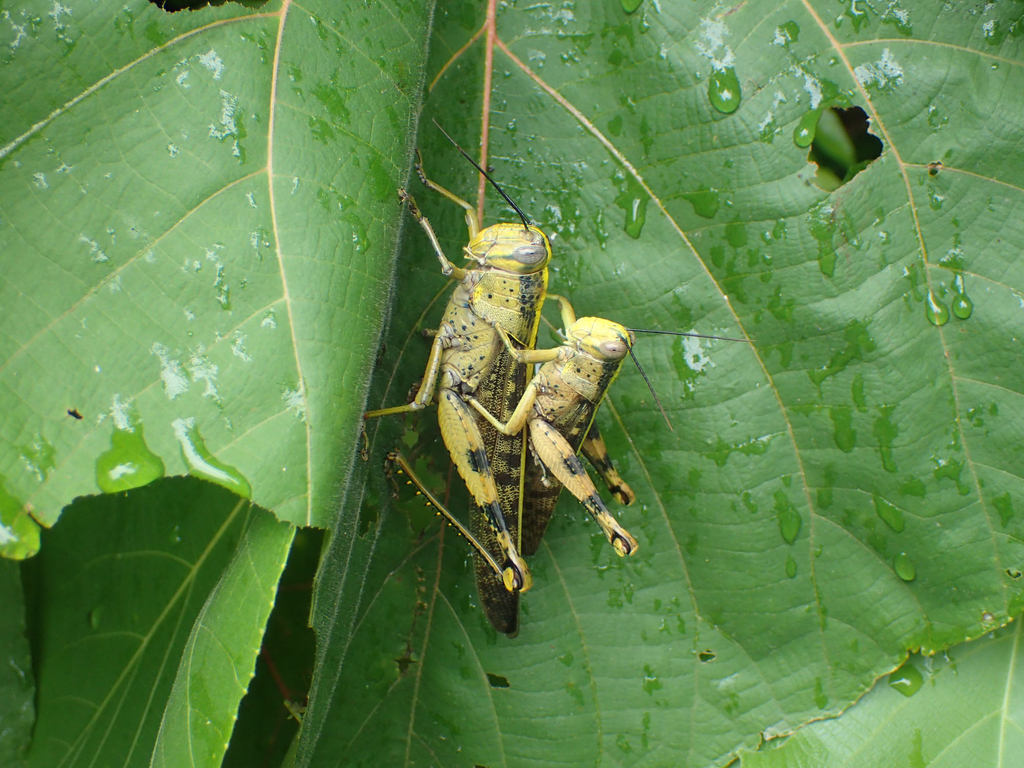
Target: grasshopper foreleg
(471,223)
(447,268)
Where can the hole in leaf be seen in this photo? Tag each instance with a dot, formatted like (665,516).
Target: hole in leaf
(173,6)
(706,656)
(404,661)
(497,681)
(843,146)
(1013,573)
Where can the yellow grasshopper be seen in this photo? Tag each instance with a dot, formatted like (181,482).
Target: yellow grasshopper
(558,409)
(494,310)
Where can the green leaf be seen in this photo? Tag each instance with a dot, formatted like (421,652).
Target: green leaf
(197,235)
(17,688)
(266,726)
(843,490)
(128,589)
(963,708)
(217,661)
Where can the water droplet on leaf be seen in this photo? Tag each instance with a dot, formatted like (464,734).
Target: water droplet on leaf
(803,134)
(789,524)
(128,463)
(705,202)
(962,304)
(633,200)
(724,90)
(890,514)
(903,567)
(907,680)
(935,310)
(202,463)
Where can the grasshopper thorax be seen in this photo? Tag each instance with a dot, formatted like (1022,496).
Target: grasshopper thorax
(601,339)
(512,248)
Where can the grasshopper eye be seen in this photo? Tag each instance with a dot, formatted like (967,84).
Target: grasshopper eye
(614,349)
(530,254)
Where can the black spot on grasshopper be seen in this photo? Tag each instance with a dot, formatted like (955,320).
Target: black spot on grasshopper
(478,458)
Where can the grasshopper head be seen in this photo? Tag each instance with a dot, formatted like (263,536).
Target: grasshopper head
(601,339)
(512,248)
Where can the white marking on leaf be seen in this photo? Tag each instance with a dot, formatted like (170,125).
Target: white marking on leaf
(295,401)
(202,369)
(886,72)
(712,44)
(171,372)
(212,62)
(94,249)
(238,347)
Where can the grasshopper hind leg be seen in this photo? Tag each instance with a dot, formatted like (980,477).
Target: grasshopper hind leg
(465,444)
(500,605)
(597,454)
(559,458)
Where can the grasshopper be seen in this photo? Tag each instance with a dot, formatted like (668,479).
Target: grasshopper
(557,409)
(494,311)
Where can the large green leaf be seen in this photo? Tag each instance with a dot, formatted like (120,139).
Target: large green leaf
(197,231)
(961,708)
(843,490)
(148,611)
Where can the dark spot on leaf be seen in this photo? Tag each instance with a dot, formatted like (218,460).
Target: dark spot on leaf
(404,662)
(497,681)
(74,412)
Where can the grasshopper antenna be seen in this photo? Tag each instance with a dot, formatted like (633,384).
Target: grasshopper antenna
(649,386)
(509,200)
(669,333)
(691,335)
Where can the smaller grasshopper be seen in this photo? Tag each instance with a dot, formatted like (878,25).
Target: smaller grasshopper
(558,409)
